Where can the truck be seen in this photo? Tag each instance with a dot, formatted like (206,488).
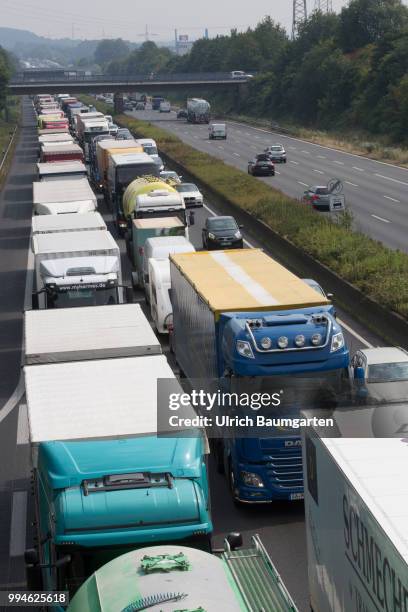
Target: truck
(63,196)
(156,101)
(104,482)
(142,229)
(78,268)
(63,138)
(242,319)
(356,517)
(198,110)
(159,248)
(88,126)
(141,186)
(50,122)
(71,222)
(104,147)
(57,152)
(241,579)
(66,170)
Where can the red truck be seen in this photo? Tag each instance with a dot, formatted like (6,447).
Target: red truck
(61,152)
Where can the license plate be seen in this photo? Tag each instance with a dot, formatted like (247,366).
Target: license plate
(225,243)
(295,496)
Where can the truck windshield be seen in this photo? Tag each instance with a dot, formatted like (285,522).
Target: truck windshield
(388,372)
(150,150)
(127,174)
(83,297)
(89,136)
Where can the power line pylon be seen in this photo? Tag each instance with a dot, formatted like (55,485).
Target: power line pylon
(324,6)
(299,15)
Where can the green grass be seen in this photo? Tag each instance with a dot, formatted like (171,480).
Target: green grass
(6,131)
(376,270)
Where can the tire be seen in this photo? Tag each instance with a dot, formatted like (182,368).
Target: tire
(218,450)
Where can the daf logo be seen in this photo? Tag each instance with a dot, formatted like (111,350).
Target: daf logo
(293,443)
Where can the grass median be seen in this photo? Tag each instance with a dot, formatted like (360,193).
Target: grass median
(379,272)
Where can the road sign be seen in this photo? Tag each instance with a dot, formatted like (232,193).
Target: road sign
(335,186)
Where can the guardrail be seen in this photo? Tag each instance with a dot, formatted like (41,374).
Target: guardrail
(143,77)
(6,152)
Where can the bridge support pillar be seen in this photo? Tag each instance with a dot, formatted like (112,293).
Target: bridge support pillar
(118,103)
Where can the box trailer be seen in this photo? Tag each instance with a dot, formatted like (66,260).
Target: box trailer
(65,196)
(71,222)
(57,152)
(356,508)
(65,170)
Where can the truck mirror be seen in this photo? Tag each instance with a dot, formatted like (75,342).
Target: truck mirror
(31,556)
(359,373)
(330,296)
(191,218)
(34,301)
(129,295)
(234,540)
(241,226)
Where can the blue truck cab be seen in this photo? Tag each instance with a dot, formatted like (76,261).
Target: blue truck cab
(105,481)
(241,318)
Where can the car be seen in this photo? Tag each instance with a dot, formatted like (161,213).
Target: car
(217,130)
(139,106)
(222,233)
(261,165)
(113,129)
(158,161)
(317,196)
(170,175)
(381,374)
(240,74)
(165,107)
(127,106)
(315,285)
(182,113)
(192,196)
(123,134)
(276,153)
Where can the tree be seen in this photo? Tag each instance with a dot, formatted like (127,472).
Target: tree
(109,50)
(5,71)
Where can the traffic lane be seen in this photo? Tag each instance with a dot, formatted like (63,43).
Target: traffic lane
(377,207)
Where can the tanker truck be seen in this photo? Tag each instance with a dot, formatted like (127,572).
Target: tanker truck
(198,110)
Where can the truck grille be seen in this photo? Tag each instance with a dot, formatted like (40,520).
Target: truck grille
(284,467)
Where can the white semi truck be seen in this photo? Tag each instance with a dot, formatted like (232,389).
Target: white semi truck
(356,515)
(71,222)
(65,196)
(77,269)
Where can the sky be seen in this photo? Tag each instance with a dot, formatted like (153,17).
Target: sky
(128,19)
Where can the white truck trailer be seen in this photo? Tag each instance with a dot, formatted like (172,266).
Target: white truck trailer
(61,171)
(71,222)
(356,509)
(77,269)
(97,332)
(60,197)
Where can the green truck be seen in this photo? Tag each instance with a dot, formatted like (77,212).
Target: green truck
(179,579)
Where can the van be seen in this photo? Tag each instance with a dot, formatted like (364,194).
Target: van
(217,130)
(160,247)
(165,107)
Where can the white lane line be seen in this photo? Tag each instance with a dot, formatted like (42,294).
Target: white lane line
(304,184)
(293,162)
(257,137)
(381,219)
(277,172)
(392,199)
(359,169)
(220,147)
(22,425)
(322,156)
(214,214)
(18,524)
(355,334)
(388,178)
(254,147)
(336,161)
(306,152)
(236,154)
(352,184)
(318,171)
(293,148)
(247,133)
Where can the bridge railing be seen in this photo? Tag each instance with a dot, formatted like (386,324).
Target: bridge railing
(134,78)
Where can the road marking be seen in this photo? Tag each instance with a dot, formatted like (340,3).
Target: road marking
(336,161)
(293,148)
(304,184)
(306,152)
(318,171)
(257,137)
(237,154)
(247,133)
(293,162)
(277,172)
(354,333)
(388,178)
(321,157)
(392,199)
(22,425)
(352,184)
(254,147)
(381,219)
(359,169)
(220,147)
(18,524)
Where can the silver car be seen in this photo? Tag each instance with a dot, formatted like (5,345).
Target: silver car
(276,153)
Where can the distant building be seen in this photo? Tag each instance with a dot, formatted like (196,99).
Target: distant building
(183,44)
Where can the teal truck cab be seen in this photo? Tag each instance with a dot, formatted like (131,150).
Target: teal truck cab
(244,321)
(104,481)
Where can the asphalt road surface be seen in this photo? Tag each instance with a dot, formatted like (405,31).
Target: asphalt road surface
(377,193)
(281,526)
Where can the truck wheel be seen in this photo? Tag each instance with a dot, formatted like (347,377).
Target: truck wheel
(217,448)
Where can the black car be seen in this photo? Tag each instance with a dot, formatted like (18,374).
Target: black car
(182,113)
(124,134)
(222,233)
(262,165)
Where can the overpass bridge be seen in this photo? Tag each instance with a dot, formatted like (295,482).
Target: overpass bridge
(195,82)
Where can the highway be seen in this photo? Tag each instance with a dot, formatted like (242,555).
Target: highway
(377,193)
(281,526)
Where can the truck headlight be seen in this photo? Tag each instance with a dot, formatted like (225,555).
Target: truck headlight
(316,339)
(244,349)
(211,236)
(283,342)
(266,342)
(252,480)
(300,340)
(237,235)
(337,342)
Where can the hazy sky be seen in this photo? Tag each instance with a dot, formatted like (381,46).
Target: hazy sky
(128,18)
